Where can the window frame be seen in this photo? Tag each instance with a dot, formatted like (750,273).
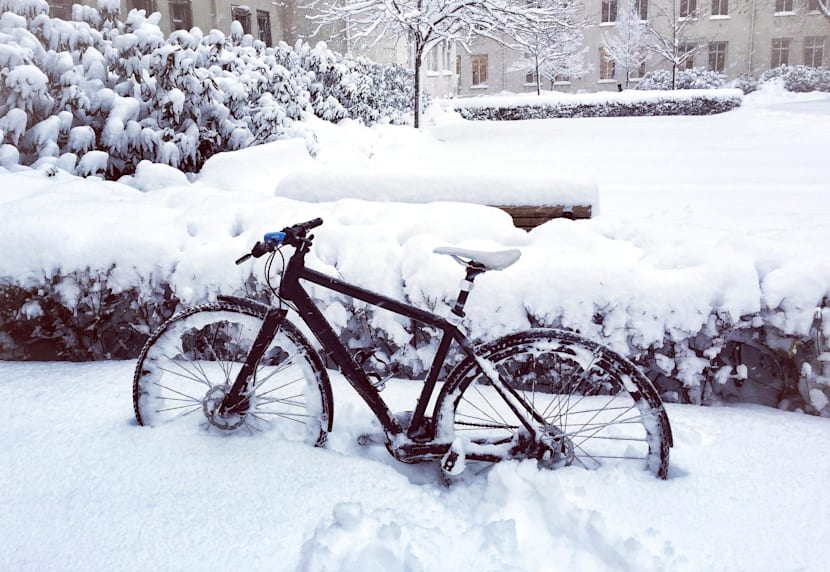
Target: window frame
(780,52)
(61,9)
(784,7)
(814,48)
(149,6)
(187,8)
(263,26)
(720,9)
(608,12)
(478,75)
(607,67)
(719,56)
(641,7)
(687,10)
(242,14)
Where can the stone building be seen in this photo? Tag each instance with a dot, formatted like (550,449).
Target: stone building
(734,37)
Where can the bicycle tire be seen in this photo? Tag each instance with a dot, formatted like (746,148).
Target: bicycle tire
(587,395)
(189,363)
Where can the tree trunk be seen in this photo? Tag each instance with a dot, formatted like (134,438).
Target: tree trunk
(418,58)
(674,76)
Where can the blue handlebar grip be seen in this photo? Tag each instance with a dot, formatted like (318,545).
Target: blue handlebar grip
(278,237)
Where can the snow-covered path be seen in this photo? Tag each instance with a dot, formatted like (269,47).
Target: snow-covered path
(82,487)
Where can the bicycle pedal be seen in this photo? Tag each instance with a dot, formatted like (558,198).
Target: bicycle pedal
(453,462)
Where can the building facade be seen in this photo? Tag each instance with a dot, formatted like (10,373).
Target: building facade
(733,37)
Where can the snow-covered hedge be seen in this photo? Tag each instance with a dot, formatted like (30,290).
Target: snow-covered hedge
(800,78)
(695,78)
(604,104)
(95,95)
(91,267)
(86,315)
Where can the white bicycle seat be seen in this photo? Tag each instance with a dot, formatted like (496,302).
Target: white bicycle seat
(498,260)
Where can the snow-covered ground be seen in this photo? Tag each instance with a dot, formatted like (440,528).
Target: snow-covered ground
(726,213)
(85,488)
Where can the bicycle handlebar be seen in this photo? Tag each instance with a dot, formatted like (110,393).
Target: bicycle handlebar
(294,235)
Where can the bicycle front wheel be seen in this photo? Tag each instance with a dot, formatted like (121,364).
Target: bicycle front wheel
(190,363)
(593,406)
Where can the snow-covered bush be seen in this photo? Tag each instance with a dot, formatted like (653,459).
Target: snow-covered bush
(746,83)
(800,78)
(695,78)
(607,104)
(123,89)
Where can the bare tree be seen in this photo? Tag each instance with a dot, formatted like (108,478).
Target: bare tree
(674,44)
(554,47)
(426,23)
(629,44)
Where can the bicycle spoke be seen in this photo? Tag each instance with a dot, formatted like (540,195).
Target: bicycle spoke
(177,392)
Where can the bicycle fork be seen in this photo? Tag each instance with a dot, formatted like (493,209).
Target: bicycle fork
(237,399)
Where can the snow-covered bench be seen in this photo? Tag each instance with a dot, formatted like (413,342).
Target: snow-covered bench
(530,201)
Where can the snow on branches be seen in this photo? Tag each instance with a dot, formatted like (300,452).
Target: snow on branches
(121,89)
(426,23)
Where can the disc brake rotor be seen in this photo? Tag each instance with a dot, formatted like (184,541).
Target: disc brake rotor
(211,405)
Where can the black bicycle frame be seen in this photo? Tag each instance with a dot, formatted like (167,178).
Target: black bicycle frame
(292,290)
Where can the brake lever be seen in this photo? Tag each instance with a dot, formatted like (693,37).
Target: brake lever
(243,259)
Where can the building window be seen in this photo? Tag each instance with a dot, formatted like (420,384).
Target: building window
(61,9)
(447,56)
(813,51)
(530,78)
(242,14)
(263,24)
(641,8)
(181,17)
(433,58)
(609,11)
(812,6)
(689,62)
(638,72)
(149,6)
(780,52)
(479,70)
(458,65)
(606,66)
(688,8)
(561,78)
(783,6)
(717,56)
(720,7)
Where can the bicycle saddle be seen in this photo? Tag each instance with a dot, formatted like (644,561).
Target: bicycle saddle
(482,260)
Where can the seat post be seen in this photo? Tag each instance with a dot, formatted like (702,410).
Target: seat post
(473,270)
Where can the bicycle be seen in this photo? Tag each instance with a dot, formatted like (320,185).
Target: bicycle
(543,394)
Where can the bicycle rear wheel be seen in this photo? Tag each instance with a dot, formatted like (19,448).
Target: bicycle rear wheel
(190,363)
(591,403)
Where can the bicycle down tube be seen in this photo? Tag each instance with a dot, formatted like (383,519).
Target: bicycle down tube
(291,289)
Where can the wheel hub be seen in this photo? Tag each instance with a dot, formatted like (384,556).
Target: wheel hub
(556,449)
(212,404)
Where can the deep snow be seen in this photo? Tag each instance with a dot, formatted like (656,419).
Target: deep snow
(85,488)
(727,212)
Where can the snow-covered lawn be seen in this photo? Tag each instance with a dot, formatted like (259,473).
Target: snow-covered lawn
(85,488)
(699,215)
